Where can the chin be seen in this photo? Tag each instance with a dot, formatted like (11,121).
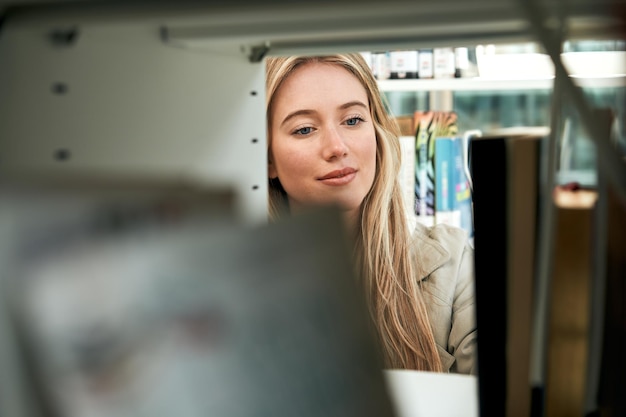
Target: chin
(344,205)
(347,206)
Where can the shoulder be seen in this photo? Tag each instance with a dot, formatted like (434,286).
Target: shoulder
(445,258)
(437,246)
(442,233)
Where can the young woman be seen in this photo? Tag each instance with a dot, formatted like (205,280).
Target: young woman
(331,141)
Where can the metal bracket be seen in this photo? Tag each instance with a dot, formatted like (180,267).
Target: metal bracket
(257,53)
(63,37)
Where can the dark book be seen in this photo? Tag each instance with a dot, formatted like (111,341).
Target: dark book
(505,173)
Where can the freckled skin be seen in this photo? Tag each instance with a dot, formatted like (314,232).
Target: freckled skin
(321,123)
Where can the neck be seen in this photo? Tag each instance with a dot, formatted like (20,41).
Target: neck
(351,221)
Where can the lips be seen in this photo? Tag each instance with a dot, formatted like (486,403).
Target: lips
(339,178)
(340,173)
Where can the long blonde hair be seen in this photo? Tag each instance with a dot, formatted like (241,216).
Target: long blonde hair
(383,245)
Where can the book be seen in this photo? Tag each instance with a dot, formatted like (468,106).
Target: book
(505,171)
(403,64)
(407,176)
(463,190)
(423,393)
(446,209)
(453,197)
(428,126)
(488,169)
(443,63)
(608,364)
(585,370)
(522,199)
(606,367)
(425,59)
(569,307)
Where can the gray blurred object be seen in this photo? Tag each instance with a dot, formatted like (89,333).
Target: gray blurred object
(193,317)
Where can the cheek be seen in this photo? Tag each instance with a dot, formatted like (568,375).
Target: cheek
(289,161)
(295,173)
(369,161)
(369,154)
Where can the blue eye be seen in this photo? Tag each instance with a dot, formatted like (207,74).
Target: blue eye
(353,121)
(303,131)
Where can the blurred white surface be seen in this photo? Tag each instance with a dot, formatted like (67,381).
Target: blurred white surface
(429,394)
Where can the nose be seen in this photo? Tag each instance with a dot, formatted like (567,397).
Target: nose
(333,145)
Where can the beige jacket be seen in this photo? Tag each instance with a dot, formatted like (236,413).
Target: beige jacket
(446,264)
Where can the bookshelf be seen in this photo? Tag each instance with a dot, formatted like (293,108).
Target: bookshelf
(513,87)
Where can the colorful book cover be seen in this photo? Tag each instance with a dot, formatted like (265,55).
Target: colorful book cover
(462,191)
(446,176)
(453,197)
(428,126)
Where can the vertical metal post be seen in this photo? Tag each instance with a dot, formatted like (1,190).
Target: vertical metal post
(546,224)
(441,100)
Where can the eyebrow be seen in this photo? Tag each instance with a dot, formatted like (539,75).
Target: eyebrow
(307,112)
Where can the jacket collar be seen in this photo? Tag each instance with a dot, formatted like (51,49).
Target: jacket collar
(428,252)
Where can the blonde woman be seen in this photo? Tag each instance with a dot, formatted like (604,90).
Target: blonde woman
(331,141)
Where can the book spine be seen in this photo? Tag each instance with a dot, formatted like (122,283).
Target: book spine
(443,63)
(407,174)
(489,172)
(428,126)
(424,192)
(462,191)
(403,64)
(425,60)
(446,209)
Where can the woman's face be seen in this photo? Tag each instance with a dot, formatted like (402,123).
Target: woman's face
(323,142)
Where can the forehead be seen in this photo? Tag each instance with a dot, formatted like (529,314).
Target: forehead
(315,83)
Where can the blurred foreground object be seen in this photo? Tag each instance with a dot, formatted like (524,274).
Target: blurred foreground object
(126,305)
(431,394)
